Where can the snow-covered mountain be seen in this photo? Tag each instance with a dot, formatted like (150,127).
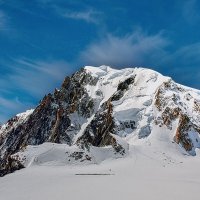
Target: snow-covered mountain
(101,113)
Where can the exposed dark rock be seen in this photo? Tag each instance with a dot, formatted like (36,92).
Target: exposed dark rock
(182,133)
(197,106)
(122,87)
(125,84)
(170,114)
(9,165)
(80,155)
(50,120)
(98,133)
(117,96)
(171,109)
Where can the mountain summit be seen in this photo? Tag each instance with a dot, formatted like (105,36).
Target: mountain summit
(100,113)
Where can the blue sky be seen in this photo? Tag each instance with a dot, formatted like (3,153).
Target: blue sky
(42,41)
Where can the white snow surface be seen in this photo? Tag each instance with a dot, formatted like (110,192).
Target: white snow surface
(147,80)
(137,104)
(146,173)
(154,167)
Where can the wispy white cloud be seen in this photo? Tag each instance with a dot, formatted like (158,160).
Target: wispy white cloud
(90,16)
(33,79)
(134,49)
(185,57)
(188,53)
(10,106)
(38,77)
(61,8)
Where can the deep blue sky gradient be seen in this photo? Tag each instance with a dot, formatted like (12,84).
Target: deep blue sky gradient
(42,41)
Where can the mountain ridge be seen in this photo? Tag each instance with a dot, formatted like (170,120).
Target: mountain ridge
(99,112)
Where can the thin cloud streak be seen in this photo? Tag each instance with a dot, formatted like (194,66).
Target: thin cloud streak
(31,78)
(135,49)
(89,16)
(86,14)
(10,106)
(38,77)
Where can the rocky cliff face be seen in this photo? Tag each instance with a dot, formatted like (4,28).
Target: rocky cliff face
(176,102)
(103,107)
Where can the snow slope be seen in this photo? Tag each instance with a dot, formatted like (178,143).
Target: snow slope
(138,103)
(145,174)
